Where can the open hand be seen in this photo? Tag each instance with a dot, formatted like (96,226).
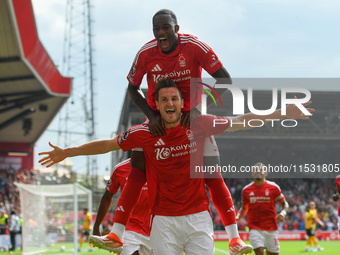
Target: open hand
(54,156)
(293,112)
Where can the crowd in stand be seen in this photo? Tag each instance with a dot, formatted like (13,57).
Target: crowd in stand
(298,192)
(10,223)
(9,193)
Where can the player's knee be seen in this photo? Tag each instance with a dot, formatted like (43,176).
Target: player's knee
(259,251)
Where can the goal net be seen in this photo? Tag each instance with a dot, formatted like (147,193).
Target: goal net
(51,216)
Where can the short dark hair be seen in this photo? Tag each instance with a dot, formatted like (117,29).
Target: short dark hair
(166,83)
(166,12)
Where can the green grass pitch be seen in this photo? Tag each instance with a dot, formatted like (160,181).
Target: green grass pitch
(221,248)
(290,248)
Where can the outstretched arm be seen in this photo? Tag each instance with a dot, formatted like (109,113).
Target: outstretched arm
(292,112)
(155,124)
(94,147)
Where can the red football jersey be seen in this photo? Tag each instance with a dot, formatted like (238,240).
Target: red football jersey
(261,205)
(338,183)
(187,61)
(172,191)
(140,217)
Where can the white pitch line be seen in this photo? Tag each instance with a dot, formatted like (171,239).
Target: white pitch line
(222,251)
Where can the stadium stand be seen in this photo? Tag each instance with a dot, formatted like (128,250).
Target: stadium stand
(32,91)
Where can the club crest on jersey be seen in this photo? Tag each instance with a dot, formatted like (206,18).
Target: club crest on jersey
(181,60)
(190,134)
(123,137)
(162,153)
(267,192)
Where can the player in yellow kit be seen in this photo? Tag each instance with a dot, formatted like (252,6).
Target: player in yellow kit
(86,230)
(312,218)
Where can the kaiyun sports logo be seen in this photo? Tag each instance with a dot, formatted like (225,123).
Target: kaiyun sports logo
(175,151)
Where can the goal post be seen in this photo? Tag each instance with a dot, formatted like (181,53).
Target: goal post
(50,215)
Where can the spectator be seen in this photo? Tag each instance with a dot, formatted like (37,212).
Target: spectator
(14,228)
(3,221)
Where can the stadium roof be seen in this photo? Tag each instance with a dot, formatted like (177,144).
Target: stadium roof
(32,90)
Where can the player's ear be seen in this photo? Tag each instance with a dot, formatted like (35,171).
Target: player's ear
(182,103)
(176,28)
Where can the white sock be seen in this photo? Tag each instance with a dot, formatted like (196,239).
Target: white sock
(118,229)
(232,231)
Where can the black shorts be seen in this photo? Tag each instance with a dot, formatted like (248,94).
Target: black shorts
(86,233)
(310,232)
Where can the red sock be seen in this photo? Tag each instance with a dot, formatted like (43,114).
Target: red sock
(222,200)
(129,196)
